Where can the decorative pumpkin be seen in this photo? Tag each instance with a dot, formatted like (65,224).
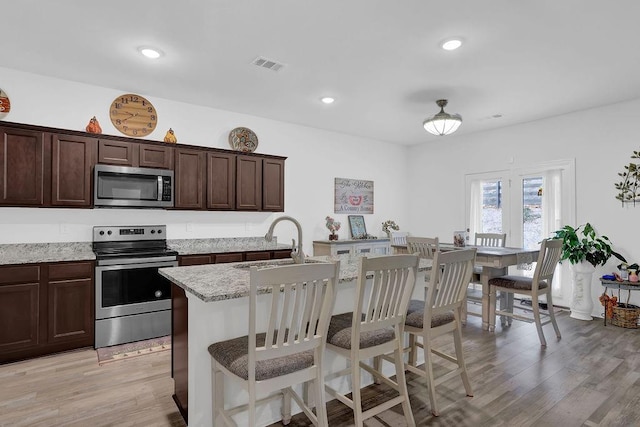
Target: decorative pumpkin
(170,137)
(94,126)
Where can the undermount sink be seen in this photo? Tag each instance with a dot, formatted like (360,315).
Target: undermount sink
(271,263)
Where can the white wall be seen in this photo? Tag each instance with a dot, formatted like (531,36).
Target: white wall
(600,140)
(315,158)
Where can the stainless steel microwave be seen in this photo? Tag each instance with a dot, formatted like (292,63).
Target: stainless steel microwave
(124,186)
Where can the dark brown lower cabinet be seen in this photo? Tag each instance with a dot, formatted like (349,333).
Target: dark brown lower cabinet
(45,308)
(180,318)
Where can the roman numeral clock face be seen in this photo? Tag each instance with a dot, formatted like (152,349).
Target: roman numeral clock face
(133,115)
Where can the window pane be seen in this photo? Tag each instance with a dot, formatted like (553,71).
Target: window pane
(532,212)
(492,206)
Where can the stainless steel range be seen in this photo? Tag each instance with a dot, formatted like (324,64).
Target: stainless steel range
(133,301)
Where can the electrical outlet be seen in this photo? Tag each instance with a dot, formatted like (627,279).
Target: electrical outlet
(189,227)
(64,228)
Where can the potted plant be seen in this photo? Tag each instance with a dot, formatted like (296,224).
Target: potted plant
(389,225)
(585,250)
(332,226)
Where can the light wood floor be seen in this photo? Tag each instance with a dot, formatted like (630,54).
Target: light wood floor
(589,378)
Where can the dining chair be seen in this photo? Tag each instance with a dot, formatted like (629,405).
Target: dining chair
(398,238)
(496,240)
(440,313)
(425,247)
(290,348)
(383,291)
(536,286)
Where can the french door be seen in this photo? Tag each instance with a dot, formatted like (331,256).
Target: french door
(527,204)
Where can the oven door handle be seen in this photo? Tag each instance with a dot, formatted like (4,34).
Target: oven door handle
(161,261)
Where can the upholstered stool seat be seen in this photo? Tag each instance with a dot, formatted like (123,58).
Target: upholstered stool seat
(234,355)
(516,282)
(415,316)
(339,333)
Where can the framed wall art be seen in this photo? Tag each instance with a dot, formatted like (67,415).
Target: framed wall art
(357,227)
(353,196)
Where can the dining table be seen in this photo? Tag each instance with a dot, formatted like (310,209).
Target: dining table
(495,261)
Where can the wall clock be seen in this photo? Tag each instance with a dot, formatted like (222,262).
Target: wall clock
(133,115)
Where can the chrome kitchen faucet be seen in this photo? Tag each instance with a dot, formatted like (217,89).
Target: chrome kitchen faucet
(296,252)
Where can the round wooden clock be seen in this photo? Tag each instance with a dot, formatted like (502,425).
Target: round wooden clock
(133,115)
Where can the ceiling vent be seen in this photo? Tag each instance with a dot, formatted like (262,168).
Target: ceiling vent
(269,64)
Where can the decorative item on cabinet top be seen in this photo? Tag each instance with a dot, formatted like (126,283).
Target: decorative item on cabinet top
(629,189)
(243,139)
(133,115)
(170,137)
(5,104)
(94,126)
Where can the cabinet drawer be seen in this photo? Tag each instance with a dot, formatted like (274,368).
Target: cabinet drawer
(257,256)
(19,274)
(222,258)
(73,270)
(195,260)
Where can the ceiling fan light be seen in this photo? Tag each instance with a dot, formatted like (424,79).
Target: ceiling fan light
(442,123)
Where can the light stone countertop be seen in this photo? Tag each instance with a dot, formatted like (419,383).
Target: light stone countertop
(32,253)
(224,245)
(216,282)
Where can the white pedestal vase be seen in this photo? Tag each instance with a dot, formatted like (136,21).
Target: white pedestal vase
(581,302)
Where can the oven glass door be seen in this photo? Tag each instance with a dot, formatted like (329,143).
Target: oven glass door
(131,289)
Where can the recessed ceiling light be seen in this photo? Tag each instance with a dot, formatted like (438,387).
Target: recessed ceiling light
(327,100)
(452,44)
(150,52)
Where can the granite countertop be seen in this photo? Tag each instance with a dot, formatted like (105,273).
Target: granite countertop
(224,245)
(216,282)
(31,253)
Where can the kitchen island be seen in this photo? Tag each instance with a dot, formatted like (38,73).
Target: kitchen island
(217,306)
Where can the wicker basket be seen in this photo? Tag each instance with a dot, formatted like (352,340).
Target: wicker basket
(625,315)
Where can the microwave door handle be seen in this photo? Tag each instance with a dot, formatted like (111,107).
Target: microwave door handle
(159,188)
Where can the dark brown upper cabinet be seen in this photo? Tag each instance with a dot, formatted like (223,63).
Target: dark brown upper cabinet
(47,167)
(72,161)
(273,185)
(135,154)
(248,183)
(22,164)
(190,176)
(221,180)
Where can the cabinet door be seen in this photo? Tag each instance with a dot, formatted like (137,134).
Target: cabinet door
(221,181)
(248,183)
(273,185)
(70,303)
(119,153)
(19,308)
(72,160)
(21,167)
(156,156)
(190,175)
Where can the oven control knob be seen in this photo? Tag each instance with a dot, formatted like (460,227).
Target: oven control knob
(153,231)
(159,231)
(102,233)
(109,232)
(158,294)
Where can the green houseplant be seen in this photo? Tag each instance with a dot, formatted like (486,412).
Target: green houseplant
(585,245)
(585,250)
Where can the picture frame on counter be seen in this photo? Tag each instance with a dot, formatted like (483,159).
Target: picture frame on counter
(357,226)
